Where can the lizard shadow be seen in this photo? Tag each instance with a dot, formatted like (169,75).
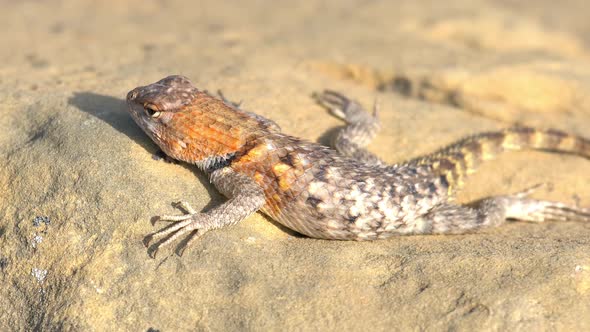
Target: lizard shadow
(113,111)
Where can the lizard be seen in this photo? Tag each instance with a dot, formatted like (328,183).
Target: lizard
(340,193)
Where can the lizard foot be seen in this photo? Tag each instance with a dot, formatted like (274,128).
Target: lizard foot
(191,222)
(533,210)
(342,107)
(519,207)
(539,210)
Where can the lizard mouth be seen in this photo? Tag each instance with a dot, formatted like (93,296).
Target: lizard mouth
(138,113)
(132,105)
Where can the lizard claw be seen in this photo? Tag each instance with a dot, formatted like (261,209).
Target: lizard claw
(335,102)
(344,108)
(227,101)
(541,211)
(146,240)
(191,221)
(189,211)
(376,107)
(184,206)
(526,192)
(153,253)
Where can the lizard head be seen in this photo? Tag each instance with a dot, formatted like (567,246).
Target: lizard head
(189,124)
(156,108)
(155,103)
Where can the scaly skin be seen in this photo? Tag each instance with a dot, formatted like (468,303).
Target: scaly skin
(342,194)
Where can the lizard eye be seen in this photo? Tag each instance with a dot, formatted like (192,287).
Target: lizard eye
(151,112)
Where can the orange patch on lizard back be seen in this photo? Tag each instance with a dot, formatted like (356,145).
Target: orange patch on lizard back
(285,175)
(212,138)
(259,177)
(255,154)
(280,168)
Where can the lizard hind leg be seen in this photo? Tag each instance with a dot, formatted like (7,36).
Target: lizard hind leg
(494,211)
(520,207)
(361,126)
(534,210)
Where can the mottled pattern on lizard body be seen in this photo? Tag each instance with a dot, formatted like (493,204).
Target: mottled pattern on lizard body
(345,194)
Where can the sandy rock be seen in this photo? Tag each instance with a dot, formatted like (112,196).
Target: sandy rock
(79,183)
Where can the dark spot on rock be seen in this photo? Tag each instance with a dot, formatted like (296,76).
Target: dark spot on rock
(3,263)
(402,85)
(231,43)
(36,62)
(57,28)
(423,287)
(148,47)
(215,27)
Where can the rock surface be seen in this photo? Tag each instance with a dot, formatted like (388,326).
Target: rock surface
(69,152)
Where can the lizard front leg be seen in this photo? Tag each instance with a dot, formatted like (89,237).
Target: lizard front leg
(245,197)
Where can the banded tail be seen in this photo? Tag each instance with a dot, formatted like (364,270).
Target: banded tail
(461,158)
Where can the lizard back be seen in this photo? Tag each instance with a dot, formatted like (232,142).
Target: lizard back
(317,192)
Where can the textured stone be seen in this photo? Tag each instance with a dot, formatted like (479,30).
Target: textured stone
(70,152)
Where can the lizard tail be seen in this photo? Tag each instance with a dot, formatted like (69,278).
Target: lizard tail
(462,158)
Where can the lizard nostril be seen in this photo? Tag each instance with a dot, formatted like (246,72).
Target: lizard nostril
(132,95)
